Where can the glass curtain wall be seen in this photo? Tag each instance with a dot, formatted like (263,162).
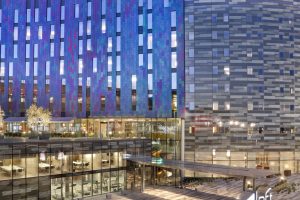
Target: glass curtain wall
(65,170)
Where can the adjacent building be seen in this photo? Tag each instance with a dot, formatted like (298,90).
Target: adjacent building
(241,80)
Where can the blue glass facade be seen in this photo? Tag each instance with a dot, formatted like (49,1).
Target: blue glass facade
(93,58)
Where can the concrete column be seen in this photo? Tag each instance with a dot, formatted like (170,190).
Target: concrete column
(143,179)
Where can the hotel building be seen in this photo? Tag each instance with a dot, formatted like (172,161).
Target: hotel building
(111,72)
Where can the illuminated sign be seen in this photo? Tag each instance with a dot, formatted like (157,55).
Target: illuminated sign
(267,196)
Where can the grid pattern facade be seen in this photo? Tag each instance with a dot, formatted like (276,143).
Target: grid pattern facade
(242,71)
(91,58)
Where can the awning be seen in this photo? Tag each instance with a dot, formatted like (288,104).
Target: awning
(202,167)
(15,119)
(54,119)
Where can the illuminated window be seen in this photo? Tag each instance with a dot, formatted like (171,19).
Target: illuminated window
(62,67)
(36,51)
(62,30)
(150,21)
(227,106)
(166,3)
(40,33)
(48,68)
(109,44)
(118,63)
(226,71)
(109,82)
(80,66)
(52,49)
(118,43)
(173,39)
(94,65)
(141,60)
(150,82)
(16,33)
(11,69)
(88,27)
(48,14)
(103,6)
(118,6)
(80,27)
(174,60)
(249,70)
(52,33)
(150,41)
(28,15)
(62,48)
(215,105)
(109,64)
(16,16)
(173,19)
(89,9)
(118,81)
(250,106)
(150,61)
(2,69)
(36,15)
(89,45)
(62,13)
(174,81)
(76,10)
(35,69)
(133,82)
(141,20)
(27,33)
(149,4)
(118,24)
(80,48)
(103,26)
(141,39)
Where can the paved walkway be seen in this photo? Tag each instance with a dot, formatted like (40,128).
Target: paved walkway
(217,190)
(233,188)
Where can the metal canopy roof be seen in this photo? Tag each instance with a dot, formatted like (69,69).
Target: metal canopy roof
(202,167)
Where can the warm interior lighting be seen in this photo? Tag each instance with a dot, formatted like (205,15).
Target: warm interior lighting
(42,156)
(228,153)
(61,156)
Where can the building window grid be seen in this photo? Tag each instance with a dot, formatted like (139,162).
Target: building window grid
(62,35)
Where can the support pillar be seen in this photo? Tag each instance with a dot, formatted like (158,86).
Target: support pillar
(143,178)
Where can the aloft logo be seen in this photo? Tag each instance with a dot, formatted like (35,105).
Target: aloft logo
(267,196)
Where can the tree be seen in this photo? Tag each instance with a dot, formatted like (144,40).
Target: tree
(37,116)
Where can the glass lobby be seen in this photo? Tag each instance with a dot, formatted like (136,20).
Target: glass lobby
(65,169)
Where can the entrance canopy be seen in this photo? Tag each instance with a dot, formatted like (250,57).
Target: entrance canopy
(53,119)
(202,167)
